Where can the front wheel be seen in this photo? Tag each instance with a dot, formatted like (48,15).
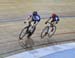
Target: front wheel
(51,31)
(23,33)
(44,32)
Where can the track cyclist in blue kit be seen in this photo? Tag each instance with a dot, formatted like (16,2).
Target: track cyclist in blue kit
(34,19)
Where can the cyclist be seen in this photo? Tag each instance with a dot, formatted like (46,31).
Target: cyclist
(54,20)
(33,19)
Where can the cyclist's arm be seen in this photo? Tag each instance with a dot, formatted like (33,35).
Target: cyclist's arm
(48,20)
(27,19)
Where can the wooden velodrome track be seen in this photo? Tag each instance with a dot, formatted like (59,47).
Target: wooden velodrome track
(11,13)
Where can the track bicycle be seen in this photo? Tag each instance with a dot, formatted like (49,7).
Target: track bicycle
(49,30)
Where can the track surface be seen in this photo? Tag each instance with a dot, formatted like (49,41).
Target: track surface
(9,33)
(13,12)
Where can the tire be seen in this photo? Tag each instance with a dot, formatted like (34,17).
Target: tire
(23,33)
(51,33)
(44,32)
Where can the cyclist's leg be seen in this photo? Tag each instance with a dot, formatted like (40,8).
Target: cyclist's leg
(34,26)
(53,23)
(29,24)
(35,23)
(30,33)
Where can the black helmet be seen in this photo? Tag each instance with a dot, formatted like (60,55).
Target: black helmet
(35,13)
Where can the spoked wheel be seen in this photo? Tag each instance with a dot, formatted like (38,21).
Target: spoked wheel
(44,32)
(51,31)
